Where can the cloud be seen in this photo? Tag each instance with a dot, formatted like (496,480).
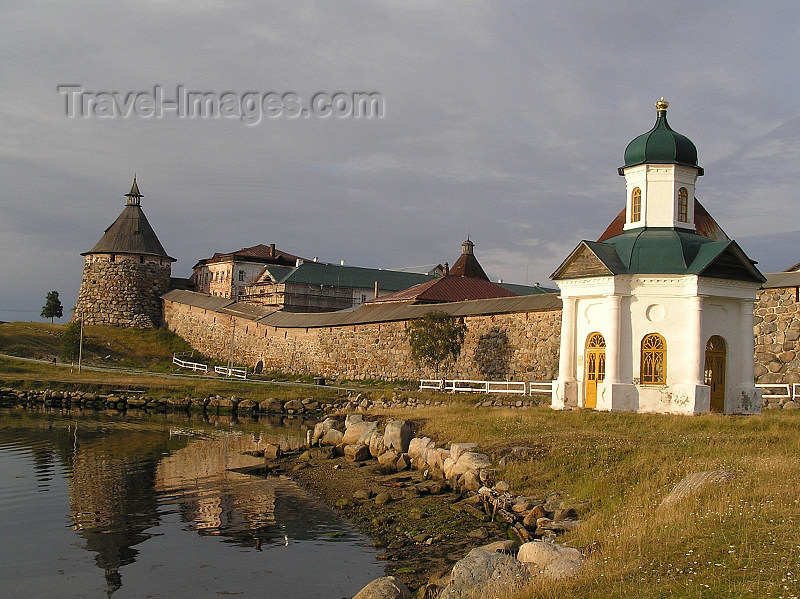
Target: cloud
(503,120)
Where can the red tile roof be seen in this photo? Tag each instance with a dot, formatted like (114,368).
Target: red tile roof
(449,288)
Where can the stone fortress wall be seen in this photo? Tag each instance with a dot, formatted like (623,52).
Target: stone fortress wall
(123,290)
(524,345)
(777,336)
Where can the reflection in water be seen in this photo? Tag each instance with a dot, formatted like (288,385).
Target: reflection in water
(128,480)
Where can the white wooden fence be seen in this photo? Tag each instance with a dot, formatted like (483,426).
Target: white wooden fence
(472,386)
(239,373)
(196,366)
(790,391)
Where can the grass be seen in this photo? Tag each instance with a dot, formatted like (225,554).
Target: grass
(738,539)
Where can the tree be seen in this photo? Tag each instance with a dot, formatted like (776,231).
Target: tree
(70,341)
(52,306)
(435,338)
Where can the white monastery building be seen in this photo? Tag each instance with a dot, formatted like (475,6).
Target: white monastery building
(658,313)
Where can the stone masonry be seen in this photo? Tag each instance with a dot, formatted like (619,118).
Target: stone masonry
(777,336)
(123,290)
(365,351)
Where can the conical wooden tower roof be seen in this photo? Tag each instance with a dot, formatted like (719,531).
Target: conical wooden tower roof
(131,233)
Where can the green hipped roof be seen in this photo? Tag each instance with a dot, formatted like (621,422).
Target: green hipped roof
(657,250)
(317,273)
(661,145)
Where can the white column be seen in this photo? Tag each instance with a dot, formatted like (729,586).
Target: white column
(696,354)
(612,339)
(566,358)
(747,344)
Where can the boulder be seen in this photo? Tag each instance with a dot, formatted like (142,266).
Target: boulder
(398,435)
(359,432)
(272,451)
(470,480)
(352,418)
(436,458)
(456,449)
(692,484)
(388,459)
(418,448)
(323,427)
(332,437)
(387,587)
(550,560)
(376,445)
(483,574)
(357,452)
(469,461)
(293,404)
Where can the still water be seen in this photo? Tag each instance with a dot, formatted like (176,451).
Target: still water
(104,505)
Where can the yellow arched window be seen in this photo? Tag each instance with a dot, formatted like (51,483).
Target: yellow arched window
(636,205)
(654,360)
(683,205)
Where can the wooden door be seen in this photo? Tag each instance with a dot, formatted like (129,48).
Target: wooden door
(715,371)
(595,367)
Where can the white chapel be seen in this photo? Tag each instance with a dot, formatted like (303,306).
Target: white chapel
(658,313)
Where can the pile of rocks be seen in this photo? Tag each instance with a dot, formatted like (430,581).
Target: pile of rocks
(464,470)
(124,400)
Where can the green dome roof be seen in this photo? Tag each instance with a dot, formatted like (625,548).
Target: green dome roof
(661,145)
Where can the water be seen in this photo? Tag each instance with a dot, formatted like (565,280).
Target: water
(108,506)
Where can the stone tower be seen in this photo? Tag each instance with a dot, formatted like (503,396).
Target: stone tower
(125,273)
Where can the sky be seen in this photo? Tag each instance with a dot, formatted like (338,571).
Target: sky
(501,121)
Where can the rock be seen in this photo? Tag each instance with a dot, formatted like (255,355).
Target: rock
(397,435)
(323,427)
(359,432)
(382,498)
(791,405)
(352,419)
(436,458)
(387,587)
(403,463)
(356,452)
(479,533)
(388,459)
(502,486)
(469,461)
(246,404)
(376,445)
(272,451)
(456,449)
(507,546)
(550,560)
(293,404)
(470,480)
(418,449)
(483,574)
(362,494)
(693,483)
(332,437)
(569,513)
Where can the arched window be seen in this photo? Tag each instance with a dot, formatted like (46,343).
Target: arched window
(654,360)
(636,205)
(683,205)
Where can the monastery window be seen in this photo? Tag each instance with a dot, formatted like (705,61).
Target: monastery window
(241,275)
(683,205)
(636,205)
(654,360)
